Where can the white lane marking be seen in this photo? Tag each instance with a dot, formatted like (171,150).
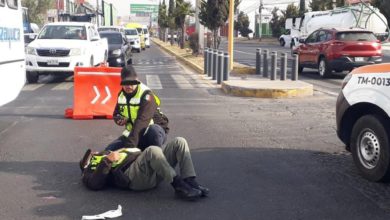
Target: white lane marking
(153,82)
(182,82)
(32,87)
(108,95)
(97,95)
(245,52)
(63,86)
(155,66)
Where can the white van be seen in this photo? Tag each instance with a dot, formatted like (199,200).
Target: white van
(147,35)
(12,56)
(363,119)
(133,37)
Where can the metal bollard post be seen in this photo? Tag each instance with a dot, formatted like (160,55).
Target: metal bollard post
(205,52)
(258,61)
(215,65)
(220,67)
(265,64)
(274,56)
(283,66)
(210,61)
(294,74)
(225,67)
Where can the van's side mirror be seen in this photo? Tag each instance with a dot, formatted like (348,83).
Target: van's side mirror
(32,36)
(302,41)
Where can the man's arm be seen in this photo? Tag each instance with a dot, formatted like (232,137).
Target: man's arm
(145,113)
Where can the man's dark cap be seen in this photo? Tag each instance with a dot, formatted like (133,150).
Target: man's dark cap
(128,76)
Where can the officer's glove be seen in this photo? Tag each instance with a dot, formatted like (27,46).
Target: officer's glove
(120,120)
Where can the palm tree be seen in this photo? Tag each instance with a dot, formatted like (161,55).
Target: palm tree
(181,11)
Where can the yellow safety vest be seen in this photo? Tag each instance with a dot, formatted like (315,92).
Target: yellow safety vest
(130,109)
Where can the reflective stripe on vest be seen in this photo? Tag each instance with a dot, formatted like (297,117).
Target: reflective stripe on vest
(130,110)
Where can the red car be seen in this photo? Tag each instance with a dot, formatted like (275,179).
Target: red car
(339,50)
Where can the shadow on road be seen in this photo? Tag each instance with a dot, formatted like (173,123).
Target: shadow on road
(244,183)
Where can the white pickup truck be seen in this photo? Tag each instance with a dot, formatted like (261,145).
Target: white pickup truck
(61,46)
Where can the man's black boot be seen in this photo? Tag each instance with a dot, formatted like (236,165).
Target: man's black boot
(192,182)
(183,190)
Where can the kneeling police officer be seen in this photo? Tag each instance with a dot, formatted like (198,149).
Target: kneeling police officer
(130,168)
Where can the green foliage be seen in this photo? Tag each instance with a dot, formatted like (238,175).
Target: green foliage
(276,23)
(214,13)
(322,5)
(279,22)
(162,15)
(181,11)
(37,9)
(242,24)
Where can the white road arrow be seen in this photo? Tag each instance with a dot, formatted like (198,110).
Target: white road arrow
(98,95)
(108,96)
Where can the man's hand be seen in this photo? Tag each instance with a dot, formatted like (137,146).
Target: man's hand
(113,156)
(119,120)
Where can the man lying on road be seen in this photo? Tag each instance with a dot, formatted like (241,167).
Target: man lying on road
(130,168)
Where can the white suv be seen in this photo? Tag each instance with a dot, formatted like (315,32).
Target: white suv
(363,122)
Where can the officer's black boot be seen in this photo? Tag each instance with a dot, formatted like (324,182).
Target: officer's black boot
(183,190)
(192,182)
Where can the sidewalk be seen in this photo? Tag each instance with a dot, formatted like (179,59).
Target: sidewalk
(242,81)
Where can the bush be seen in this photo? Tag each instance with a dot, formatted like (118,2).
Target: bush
(194,42)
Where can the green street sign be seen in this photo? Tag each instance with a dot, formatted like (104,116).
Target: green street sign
(143,8)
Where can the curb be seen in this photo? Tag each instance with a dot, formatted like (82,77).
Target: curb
(245,88)
(297,89)
(190,64)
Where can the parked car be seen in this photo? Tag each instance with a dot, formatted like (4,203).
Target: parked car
(134,39)
(338,50)
(60,46)
(119,49)
(363,122)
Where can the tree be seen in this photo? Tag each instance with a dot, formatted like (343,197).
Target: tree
(214,14)
(38,9)
(162,19)
(276,23)
(279,22)
(181,11)
(322,5)
(242,24)
(384,8)
(171,18)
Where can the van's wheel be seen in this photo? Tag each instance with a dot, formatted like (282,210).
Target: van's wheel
(282,42)
(32,77)
(323,68)
(370,147)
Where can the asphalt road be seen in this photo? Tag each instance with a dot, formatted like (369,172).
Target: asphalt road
(261,158)
(245,53)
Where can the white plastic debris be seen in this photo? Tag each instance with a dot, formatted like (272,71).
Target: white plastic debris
(108,214)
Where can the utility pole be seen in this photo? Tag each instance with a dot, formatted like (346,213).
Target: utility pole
(260,19)
(302,7)
(230,35)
